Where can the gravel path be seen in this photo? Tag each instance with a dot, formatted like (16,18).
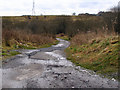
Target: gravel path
(49,68)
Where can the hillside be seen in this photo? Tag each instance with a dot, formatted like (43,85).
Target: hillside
(99,55)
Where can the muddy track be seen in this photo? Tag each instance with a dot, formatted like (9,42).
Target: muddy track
(49,68)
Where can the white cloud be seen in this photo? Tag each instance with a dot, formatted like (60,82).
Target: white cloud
(55,7)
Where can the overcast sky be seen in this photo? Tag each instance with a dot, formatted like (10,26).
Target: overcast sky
(54,7)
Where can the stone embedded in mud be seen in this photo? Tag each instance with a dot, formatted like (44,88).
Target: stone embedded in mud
(55,76)
(65,77)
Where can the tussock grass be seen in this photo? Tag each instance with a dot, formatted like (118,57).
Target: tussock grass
(13,36)
(90,37)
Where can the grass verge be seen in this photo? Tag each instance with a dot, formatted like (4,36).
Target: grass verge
(100,55)
(7,51)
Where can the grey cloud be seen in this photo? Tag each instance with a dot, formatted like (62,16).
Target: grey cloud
(55,6)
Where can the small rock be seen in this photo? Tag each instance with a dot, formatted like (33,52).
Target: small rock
(55,76)
(113,79)
(58,74)
(73,87)
(62,79)
(65,77)
(78,56)
(52,72)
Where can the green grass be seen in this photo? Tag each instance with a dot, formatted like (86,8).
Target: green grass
(7,52)
(12,53)
(101,57)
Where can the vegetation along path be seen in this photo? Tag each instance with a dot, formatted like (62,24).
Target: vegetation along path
(49,68)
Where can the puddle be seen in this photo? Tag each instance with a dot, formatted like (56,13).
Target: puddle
(59,57)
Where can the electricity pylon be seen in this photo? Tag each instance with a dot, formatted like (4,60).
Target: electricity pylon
(33,9)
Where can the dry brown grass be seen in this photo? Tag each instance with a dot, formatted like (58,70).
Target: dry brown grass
(89,37)
(22,37)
